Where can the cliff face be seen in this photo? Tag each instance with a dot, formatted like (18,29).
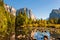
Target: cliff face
(55,13)
(28,13)
(10,9)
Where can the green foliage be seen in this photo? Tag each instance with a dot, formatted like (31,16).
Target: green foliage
(30,21)
(58,21)
(11,21)
(21,20)
(53,21)
(3,20)
(7,23)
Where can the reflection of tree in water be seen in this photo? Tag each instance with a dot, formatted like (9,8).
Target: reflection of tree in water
(28,36)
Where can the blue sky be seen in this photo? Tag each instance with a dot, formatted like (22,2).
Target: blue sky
(40,8)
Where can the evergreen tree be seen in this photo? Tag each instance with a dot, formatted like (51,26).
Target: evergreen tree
(58,21)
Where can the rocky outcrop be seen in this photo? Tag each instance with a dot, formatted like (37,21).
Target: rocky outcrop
(55,13)
(10,9)
(28,13)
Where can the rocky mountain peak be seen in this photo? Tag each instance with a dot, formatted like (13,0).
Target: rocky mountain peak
(55,13)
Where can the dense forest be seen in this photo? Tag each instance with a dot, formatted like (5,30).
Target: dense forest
(7,23)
